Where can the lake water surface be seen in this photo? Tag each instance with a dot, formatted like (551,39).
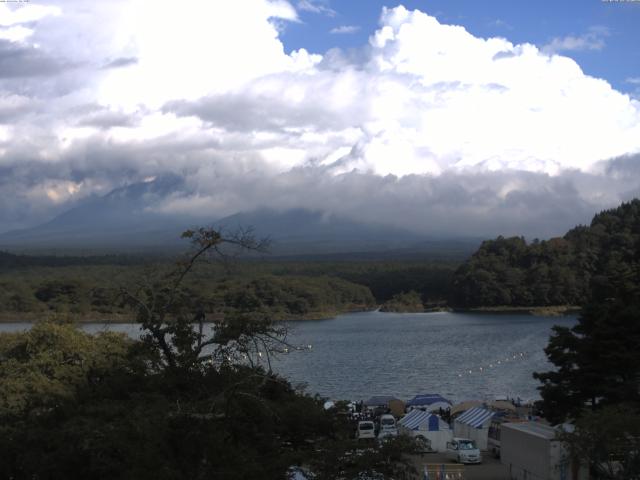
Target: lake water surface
(357,355)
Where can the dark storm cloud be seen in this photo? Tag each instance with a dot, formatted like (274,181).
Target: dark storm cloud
(94,115)
(625,165)
(18,61)
(218,183)
(13,107)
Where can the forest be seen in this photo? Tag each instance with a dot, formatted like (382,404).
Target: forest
(558,271)
(504,272)
(88,288)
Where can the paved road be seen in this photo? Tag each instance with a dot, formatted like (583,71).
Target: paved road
(489,469)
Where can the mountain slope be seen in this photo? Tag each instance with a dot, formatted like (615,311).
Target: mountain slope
(122,219)
(126,220)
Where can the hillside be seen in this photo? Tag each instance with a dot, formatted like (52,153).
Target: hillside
(559,271)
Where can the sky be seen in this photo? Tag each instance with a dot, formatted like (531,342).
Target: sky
(445,117)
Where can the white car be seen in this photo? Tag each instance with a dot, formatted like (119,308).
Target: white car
(463,450)
(388,427)
(366,429)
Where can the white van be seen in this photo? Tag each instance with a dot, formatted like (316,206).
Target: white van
(366,429)
(463,450)
(388,427)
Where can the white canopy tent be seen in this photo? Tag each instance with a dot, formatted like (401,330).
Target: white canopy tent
(427,425)
(474,424)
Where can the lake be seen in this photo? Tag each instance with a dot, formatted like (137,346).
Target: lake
(459,355)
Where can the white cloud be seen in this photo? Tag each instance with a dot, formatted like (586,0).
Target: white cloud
(592,40)
(318,7)
(208,92)
(17,33)
(20,13)
(345,29)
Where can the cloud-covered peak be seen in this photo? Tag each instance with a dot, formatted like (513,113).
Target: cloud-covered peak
(426,115)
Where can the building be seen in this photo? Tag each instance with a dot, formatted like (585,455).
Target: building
(532,452)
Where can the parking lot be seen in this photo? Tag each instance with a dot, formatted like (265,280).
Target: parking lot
(489,469)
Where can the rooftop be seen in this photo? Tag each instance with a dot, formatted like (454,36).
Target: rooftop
(533,428)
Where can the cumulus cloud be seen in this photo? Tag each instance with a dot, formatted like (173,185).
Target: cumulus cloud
(426,127)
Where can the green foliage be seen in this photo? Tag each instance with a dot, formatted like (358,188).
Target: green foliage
(77,406)
(408,302)
(45,367)
(607,440)
(92,293)
(559,271)
(598,360)
(351,459)
(507,271)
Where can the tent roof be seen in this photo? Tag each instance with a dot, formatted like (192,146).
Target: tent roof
(427,399)
(379,400)
(415,418)
(532,428)
(462,406)
(475,417)
(502,405)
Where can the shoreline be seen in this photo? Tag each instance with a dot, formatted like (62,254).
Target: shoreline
(548,311)
(119,318)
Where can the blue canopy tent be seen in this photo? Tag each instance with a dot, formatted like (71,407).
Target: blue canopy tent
(429,426)
(429,402)
(474,424)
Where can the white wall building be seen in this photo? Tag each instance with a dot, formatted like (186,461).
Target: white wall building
(531,452)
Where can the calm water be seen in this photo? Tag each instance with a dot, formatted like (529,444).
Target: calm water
(357,355)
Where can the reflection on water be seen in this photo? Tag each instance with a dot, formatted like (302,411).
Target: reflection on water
(358,355)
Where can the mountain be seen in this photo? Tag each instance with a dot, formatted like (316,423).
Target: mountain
(121,220)
(125,221)
(304,231)
(309,234)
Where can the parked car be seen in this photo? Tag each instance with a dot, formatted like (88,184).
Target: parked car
(463,450)
(388,427)
(365,429)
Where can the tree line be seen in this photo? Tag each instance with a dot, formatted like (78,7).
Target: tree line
(595,382)
(559,271)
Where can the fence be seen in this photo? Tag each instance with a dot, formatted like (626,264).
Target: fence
(443,471)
